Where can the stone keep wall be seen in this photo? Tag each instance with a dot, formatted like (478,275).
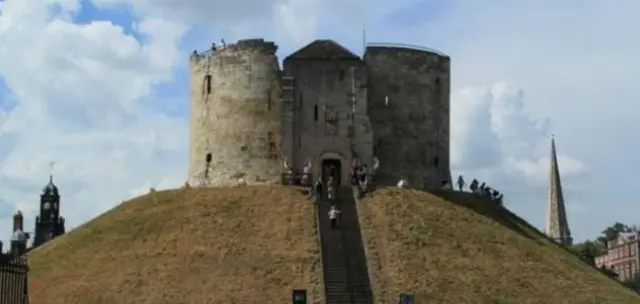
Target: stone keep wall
(321,90)
(235,115)
(411,131)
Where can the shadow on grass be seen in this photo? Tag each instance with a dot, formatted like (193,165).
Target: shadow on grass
(490,209)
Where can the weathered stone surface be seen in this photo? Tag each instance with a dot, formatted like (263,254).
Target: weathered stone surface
(321,112)
(409,111)
(312,115)
(557,226)
(238,120)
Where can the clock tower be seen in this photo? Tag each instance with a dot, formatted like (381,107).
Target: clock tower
(49,223)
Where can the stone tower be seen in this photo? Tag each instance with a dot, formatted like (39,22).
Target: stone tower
(557,224)
(235,115)
(49,223)
(409,104)
(327,106)
(325,109)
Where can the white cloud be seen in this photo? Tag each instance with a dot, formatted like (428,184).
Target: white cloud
(491,130)
(79,89)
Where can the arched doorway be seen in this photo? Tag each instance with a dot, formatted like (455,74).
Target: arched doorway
(332,167)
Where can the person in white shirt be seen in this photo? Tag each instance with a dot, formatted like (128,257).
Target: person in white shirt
(306,171)
(334,213)
(403,183)
(288,172)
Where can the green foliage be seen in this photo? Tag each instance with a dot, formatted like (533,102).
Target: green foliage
(611,233)
(588,250)
(634,282)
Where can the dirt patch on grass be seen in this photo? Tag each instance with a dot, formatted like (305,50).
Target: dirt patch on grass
(227,245)
(471,251)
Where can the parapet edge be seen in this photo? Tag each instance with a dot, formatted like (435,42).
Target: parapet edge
(404,47)
(253,43)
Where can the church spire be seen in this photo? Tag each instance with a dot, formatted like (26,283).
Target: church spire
(557,225)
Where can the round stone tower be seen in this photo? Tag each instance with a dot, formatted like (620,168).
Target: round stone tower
(235,119)
(408,93)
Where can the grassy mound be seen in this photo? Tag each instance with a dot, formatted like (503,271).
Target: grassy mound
(227,245)
(458,248)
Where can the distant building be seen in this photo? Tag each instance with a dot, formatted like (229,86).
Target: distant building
(622,255)
(49,224)
(19,238)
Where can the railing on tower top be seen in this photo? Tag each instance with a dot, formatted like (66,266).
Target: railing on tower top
(406,46)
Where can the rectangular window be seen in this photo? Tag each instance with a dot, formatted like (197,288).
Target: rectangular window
(315,113)
(207,81)
(331,121)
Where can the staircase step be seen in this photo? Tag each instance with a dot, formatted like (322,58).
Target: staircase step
(346,279)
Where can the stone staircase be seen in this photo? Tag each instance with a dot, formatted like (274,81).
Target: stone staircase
(346,278)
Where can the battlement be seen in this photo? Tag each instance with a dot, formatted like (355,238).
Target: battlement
(257,44)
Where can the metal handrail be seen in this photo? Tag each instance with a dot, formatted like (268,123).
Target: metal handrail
(406,46)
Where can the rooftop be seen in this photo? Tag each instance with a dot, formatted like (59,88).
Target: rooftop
(323,49)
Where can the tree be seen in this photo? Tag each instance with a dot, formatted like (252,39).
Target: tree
(588,250)
(611,233)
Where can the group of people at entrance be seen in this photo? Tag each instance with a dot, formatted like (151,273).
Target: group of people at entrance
(329,182)
(293,178)
(360,176)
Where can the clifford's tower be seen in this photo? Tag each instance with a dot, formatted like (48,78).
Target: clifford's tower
(235,119)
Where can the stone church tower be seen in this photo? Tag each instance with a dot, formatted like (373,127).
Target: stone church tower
(557,224)
(49,224)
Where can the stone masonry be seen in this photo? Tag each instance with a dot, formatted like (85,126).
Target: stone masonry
(326,103)
(557,227)
(409,111)
(235,115)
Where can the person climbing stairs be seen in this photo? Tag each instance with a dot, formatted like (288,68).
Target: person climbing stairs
(346,277)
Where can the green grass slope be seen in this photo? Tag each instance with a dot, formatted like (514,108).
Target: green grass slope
(226,245)
(459,248)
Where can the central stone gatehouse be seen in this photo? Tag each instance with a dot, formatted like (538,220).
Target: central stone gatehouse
(326,105)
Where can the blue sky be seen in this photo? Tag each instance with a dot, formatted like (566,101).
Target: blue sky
(102,91)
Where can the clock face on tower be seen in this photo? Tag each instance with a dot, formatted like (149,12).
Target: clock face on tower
(47,205)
